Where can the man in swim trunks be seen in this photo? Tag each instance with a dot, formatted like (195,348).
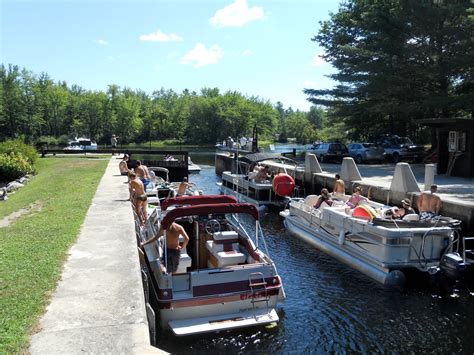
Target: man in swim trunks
(429,203)
(339,188)
(142,173)
(173,249)
(138,197)
(123,167)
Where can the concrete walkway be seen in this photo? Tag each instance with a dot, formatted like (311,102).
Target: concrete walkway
(98,306)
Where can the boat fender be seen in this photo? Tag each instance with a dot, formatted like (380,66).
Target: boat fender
(283,184)
(342,237)
(395,280)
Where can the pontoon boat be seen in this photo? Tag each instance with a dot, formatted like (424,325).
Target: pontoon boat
(380,247)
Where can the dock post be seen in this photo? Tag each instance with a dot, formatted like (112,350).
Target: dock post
(430,172)
(404,179)
(349,170)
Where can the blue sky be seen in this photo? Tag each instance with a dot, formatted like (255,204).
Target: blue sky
(259,48)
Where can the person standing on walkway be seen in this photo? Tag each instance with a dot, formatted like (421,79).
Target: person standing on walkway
(143,173)
(138,197)
(113,142)
(429,203)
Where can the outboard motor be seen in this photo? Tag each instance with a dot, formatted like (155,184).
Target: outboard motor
(453,266)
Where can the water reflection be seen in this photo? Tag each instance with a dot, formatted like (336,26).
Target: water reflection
(332,308)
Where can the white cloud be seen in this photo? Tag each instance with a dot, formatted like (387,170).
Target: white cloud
(201,56)
(102,42)
(236,14)
(318,60)
(160,36)
(247,52)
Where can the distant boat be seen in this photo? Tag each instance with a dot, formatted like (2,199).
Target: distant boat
(81,144)
(193,168)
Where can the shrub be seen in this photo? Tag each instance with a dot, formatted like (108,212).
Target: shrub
(17,146)
(63,140)
(14,165)
(50,140)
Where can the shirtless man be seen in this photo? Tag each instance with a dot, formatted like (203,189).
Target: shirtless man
(142,173)
(123,167)
(138,197)
(339,188)
(429,203)
(183,186)
(173,249)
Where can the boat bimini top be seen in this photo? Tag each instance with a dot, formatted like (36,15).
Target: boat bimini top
(206,209)
(258,157)
(197,200)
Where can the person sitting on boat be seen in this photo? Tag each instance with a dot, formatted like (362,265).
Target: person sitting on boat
(183,186)
(429,203)
(143,173)
(173,249)
(263,174)
(356,197)
(138,196)
(404,210)
(324,197)
(123,167)
(339,188)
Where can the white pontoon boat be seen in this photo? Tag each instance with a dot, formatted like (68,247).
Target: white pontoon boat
(262,193)
(381,248)
(224,279)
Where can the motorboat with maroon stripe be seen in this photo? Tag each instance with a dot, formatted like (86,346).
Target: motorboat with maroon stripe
(225,280)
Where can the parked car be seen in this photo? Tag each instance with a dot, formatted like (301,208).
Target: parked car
(365,152)
(330,151)
(400,148)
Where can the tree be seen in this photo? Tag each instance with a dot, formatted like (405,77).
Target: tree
(397,62)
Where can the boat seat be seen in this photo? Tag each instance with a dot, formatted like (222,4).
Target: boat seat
(224,249)
(411,217)
(184,262)
(311,200)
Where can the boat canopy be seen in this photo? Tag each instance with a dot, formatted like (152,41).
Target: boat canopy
(197,200)
(198,210)
(258,157)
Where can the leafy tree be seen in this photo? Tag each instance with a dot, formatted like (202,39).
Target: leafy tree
(397,62)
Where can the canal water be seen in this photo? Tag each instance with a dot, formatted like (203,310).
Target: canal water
(331,308)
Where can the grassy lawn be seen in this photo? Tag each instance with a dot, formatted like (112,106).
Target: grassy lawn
(33,247)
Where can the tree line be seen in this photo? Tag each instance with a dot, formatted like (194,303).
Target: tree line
(397,62)
(37,108)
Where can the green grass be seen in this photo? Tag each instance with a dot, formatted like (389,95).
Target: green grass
(33,248)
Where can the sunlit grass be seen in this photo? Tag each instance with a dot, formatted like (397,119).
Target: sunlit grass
(33,248)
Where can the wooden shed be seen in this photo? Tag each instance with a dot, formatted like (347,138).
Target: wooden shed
(454,144)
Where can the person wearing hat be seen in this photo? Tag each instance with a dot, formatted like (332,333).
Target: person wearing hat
(325,197)
(405,209)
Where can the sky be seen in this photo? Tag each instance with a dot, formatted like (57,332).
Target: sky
(259,48)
